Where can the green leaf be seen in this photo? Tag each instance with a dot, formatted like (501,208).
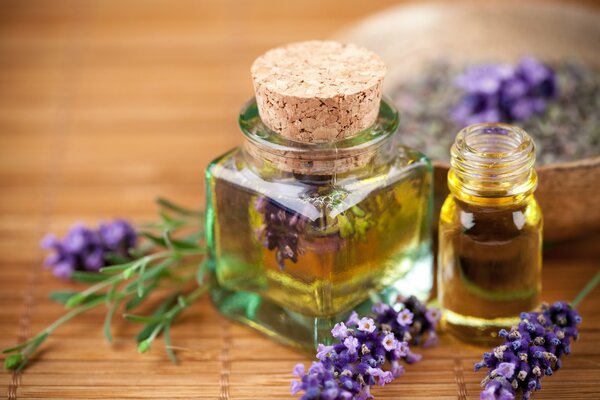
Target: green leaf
(108,320)
(591,285)
(12,361)
(75,300)
(88,277)
(168,343)
(115,259)
(111,293)
(170,223)
(177,208)
(137,264)
(154,239)
(145,332)
(150,273)
(38,340)
(137,300)
(346,229)
(144,319)
(17,347)
(140,284)
(172,243)
(195,237)
(144,346)
(160,310)
(29,350)
(181,301)
(117,268)
(81,299)
(357,211)
(61,297)
(128,273)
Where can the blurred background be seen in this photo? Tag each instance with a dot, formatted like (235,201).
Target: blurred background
(106,104)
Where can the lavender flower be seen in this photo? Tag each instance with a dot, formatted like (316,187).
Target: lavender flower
(503,93)
(531,350)
(281,229)
(347,369)
(85,249)
(423,320)
(118,236)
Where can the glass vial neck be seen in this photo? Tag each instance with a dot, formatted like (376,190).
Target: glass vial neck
(492,164)
(266,149)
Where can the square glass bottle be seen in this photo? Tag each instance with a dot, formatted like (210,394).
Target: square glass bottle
(321,210)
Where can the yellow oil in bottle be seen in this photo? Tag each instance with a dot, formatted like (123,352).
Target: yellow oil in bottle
(337,269)
(490,234)
(343,252)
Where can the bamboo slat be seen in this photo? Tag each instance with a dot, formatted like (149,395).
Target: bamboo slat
(107,104)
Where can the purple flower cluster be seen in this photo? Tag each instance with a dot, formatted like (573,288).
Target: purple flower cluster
(420,321)
(367,352)
(85,249)
(280,230)
(504,93)
(531,350)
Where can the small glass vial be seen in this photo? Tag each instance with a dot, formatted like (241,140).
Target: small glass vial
(320,210)
(490,233)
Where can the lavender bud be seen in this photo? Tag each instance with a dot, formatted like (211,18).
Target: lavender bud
(85,249)
(503,93)
(545,337)
(347,369)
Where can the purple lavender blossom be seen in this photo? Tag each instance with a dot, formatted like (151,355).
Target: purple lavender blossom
(422,328)
(531,350)
(405,317)
(340,331)
(503,93)
(85,249)
(118,236)
(366,325)
(281,230)
(347,369)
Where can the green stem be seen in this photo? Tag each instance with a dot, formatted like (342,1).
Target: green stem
(189,299)
(591,285)
(66,317)
(140,264)
(93,289)
(75,312)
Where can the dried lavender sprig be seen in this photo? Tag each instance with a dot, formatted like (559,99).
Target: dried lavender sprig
(532,349)
(280,230)
(364,351)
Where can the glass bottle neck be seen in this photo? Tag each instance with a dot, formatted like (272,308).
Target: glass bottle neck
(265,149)
(492,164)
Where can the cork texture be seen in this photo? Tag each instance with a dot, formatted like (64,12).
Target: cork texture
(318,91)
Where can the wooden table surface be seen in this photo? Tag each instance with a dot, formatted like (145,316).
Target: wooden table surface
(105,105)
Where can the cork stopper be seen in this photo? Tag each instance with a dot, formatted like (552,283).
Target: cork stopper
(318,91)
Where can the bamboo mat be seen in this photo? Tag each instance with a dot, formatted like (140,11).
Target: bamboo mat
(105,105)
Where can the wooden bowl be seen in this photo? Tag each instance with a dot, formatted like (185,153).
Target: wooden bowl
(407,37)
